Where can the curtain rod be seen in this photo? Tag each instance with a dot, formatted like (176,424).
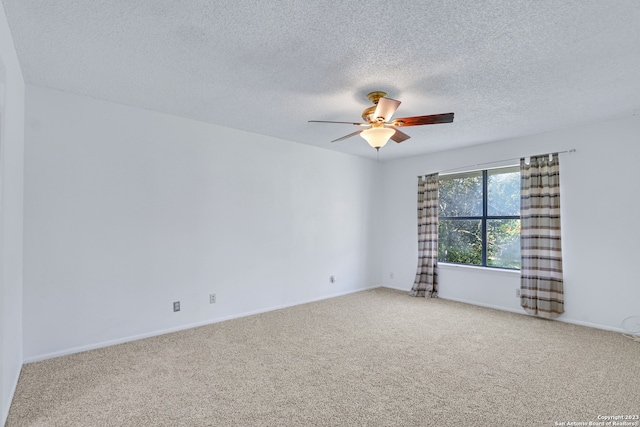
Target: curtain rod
(573,150)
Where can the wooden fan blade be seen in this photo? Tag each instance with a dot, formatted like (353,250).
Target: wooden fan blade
(399,136)
(344,123)
(348,136)
(424,120)
(385,109)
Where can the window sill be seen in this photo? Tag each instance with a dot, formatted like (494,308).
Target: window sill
(473,268)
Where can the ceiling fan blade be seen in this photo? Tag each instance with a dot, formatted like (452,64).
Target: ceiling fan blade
(385,109)
(423,120)
(399,136)
(344,123)
(347,136)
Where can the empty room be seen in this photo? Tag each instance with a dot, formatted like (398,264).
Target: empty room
(294,213)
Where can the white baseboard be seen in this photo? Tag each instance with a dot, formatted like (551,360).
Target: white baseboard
(395,287)
(521,311)
(560,319)
(592,325)
(182,327)
(495,307)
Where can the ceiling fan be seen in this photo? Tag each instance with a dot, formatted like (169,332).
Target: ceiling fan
(380,127)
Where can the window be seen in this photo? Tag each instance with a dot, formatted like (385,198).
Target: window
(479,218)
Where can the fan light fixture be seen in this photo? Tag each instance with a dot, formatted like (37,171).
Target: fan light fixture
(377,137)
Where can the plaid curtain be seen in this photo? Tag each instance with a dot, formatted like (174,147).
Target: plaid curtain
(426,282)
(541,270)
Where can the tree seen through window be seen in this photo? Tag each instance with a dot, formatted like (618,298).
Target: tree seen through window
(479,218)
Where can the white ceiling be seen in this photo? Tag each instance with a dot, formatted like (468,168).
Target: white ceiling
(505,67)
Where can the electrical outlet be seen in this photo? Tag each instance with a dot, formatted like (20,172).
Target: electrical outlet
(332,279)
(212,298)
(176,306)
(391,275)
(517,293)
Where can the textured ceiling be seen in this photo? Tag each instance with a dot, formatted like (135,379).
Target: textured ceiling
(505,67)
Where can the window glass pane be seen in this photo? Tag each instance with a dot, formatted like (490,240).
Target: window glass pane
(503,243)
(503,192)
(461,195)
(460,241)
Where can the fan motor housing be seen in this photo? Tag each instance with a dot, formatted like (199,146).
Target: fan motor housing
(367,114)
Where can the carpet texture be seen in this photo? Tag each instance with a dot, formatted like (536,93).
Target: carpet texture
(374,358)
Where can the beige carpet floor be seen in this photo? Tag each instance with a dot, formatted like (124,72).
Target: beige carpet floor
(374,358)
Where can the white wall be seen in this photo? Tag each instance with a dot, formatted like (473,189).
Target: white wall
(11,191)
(128,210)
(600,206)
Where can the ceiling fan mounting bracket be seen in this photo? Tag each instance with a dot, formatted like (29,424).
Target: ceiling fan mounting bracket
(375,96)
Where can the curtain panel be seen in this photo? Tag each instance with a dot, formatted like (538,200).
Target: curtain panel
(541,269)
(426,281)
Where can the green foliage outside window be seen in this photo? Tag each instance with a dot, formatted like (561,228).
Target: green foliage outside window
(479,224)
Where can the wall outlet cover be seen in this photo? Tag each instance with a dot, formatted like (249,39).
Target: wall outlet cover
(176,306)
